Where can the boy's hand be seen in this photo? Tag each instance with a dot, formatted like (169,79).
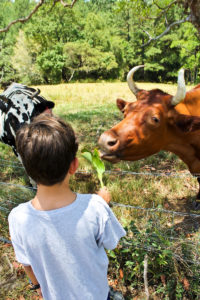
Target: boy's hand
(105,194)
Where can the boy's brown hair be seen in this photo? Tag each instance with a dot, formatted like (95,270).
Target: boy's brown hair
(47,147)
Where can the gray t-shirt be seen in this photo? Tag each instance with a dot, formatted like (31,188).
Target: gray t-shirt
(65,246)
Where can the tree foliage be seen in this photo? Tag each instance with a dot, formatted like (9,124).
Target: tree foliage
(97,39)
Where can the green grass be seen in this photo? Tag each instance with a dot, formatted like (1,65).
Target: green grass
(91,109)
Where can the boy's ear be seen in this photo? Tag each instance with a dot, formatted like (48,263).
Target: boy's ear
(74,166)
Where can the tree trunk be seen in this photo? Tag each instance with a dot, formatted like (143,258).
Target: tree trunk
(194,10)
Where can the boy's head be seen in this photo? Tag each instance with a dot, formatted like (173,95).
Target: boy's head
(47,147)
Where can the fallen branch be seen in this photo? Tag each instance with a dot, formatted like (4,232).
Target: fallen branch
(145,276)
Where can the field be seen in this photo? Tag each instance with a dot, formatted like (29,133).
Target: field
(170,240)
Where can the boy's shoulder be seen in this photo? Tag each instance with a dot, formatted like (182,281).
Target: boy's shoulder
(94,199)
(92,203)
(95,202)
(20,209)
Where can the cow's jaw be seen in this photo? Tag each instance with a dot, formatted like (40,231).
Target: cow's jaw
(109,157)
(127,154)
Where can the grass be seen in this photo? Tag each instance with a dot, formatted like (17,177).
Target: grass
(91,109)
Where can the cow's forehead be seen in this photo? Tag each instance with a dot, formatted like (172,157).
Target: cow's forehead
(18,105)
(16,89)
(144,105)
(23,104)
(141,108)
(153,96)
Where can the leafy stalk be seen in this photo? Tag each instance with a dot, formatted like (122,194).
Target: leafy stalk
(96,162)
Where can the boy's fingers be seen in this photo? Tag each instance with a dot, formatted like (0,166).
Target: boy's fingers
(105,194)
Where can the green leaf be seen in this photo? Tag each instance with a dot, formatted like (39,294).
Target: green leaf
(112,253)
(96,163)
(88,156)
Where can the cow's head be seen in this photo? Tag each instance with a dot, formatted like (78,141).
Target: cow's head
(147,121)
(41,105)
(19,104)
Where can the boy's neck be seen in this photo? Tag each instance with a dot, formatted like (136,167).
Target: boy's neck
(53,197)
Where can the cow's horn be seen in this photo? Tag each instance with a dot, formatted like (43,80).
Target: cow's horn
(35,94)
(133,87)
(181,90)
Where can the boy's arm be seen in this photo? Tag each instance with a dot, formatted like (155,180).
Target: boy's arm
(110,230)
(32,277)
(105,194)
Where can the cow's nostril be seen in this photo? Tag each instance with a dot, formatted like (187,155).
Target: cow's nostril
(112,143)
(108,141)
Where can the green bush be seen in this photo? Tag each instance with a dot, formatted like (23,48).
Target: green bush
(172,263)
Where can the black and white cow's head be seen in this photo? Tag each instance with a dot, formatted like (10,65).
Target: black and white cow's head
(18,105)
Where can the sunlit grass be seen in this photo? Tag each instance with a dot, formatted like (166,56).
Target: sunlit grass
(97,93)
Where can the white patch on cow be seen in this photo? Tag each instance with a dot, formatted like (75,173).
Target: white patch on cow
(22,109)
(19,158)
(2,122)
(12,131)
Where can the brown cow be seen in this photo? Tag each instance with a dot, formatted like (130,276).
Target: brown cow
(157,121)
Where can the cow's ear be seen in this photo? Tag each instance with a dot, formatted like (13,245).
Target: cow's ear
(121,104)
(187,123)
(50,104)
(42,106)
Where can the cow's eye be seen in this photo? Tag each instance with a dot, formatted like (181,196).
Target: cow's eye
(124,113)
(155,119)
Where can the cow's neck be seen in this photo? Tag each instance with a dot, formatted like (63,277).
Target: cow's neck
(187,148)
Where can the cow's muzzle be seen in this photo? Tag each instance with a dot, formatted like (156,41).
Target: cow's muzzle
(109,144)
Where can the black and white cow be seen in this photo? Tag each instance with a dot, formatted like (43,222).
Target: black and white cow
(18,105)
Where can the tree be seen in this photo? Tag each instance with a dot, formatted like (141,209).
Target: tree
(188,44)
(51,63)
(34,10)
(161,9)
(193,9)
(9,10)
(97,39)
(84,59)
(23,62)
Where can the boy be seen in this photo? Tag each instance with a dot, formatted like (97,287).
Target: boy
(60,236)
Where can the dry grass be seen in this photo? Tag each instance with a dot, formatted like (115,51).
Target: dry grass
(97,93)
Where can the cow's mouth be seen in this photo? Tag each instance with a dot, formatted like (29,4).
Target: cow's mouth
(113,158)
(117,157)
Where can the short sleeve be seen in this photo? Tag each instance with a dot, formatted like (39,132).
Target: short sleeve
(110,231)
(20,254)
(17,245)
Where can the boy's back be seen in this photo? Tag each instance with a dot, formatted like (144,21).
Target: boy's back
(59,235)
(65,246)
